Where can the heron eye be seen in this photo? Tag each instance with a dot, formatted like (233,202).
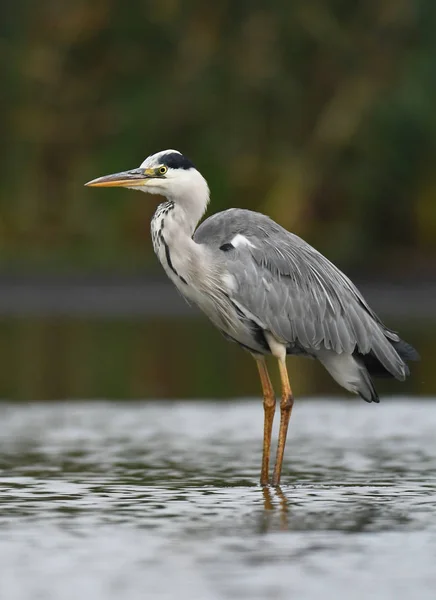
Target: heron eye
(162,170)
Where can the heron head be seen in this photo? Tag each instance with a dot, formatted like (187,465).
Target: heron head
(167,173)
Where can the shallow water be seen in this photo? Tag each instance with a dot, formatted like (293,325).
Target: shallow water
(160,500)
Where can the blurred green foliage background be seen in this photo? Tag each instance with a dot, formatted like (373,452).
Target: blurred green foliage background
(320,113)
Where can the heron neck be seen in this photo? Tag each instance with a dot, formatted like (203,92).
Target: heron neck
(189,205)
(171,233)
(172,228)
(176,228)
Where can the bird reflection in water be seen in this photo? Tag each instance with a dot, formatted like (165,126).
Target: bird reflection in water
(274,502)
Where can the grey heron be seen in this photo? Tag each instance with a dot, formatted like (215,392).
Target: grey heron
(264,288)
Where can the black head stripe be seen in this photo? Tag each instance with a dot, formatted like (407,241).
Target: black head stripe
(174,160)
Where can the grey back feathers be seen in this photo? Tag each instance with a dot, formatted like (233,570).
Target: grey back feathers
(296,293)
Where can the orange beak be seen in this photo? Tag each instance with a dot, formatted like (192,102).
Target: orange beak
(133,178)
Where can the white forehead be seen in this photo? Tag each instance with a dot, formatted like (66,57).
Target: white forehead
(154,160)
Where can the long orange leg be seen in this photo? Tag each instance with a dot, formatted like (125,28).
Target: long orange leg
(286,404)
(269,406)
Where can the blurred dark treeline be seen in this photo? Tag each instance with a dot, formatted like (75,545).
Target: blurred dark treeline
(319,112)
(131,358)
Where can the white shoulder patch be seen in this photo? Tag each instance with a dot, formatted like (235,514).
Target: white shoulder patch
(240,240)
(229,281)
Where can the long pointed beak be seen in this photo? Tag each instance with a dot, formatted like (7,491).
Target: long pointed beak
(135,177)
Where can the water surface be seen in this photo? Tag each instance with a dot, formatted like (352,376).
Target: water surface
(160,500)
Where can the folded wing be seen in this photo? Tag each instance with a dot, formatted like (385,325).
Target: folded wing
(294,292)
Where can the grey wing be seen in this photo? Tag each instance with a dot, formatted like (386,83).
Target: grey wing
(293,291)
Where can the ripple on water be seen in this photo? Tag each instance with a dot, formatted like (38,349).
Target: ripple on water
(103,500)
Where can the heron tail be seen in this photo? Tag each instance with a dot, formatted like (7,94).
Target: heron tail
(350,372)
(375,368)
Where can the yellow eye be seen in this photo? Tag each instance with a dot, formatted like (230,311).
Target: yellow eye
(162,170)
